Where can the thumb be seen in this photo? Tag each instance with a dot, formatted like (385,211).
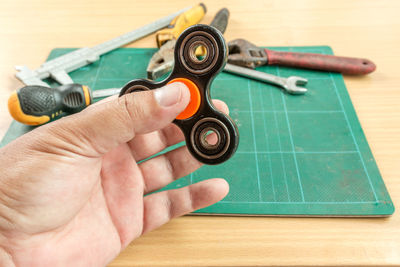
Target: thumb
(104,126)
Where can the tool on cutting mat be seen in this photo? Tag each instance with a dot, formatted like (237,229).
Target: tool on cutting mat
(59,67)
(180,23)
(36,104)
(243,53)
(290,84)
(200,117)
(162,61)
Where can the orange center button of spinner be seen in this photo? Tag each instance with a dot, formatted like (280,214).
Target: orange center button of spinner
(195,98)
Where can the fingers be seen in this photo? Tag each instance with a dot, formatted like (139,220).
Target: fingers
(161,207)
(123,191)
(164,169)
(146,145)
(106,125)
(221,106)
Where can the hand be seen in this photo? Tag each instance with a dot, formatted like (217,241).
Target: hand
(72,193)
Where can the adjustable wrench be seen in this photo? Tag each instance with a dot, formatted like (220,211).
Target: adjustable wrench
(290,84)
(243,53)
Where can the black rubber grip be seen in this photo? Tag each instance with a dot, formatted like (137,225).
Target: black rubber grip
(38,100)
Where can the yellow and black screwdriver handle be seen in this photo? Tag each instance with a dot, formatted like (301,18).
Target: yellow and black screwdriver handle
(180,23)
(36,105)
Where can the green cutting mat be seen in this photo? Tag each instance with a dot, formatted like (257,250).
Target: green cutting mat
(298,155)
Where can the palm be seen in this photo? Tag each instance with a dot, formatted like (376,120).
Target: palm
(105,221)
(99,221)
(104,211)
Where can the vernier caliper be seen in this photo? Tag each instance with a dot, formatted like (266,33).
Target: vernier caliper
(59,67)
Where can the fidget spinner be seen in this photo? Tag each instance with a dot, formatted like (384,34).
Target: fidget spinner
(200,54)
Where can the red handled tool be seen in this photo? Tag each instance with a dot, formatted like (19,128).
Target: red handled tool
(246,54)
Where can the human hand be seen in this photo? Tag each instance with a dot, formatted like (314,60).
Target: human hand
(72,193)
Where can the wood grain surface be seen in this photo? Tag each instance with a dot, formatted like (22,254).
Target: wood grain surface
(31,28)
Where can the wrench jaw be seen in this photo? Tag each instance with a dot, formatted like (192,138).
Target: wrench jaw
(246,54)
(292,85)
(162,61)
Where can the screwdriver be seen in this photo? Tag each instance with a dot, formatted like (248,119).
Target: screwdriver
(180,23)
(36,104)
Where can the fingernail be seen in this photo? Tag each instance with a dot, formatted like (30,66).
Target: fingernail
(170,94)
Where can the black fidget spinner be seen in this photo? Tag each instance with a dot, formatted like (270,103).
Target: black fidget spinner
(200,54)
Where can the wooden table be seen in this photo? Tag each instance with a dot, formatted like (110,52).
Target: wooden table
(30,29)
